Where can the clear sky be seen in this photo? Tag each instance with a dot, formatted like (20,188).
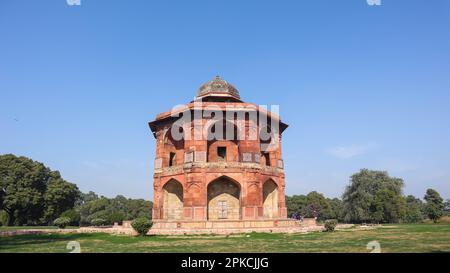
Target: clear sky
(360,86)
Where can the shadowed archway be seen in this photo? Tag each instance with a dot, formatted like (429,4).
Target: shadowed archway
(270,199)
(173,200)
(224,199)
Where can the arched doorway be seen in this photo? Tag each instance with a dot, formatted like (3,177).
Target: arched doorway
(270,199)
(173,200)
(224,199)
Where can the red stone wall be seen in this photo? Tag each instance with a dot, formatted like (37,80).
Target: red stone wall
(196,165)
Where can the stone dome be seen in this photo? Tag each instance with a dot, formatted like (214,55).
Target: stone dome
(218,87)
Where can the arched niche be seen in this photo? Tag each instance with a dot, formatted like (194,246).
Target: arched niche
(173,200)
(270,199)
(224,199)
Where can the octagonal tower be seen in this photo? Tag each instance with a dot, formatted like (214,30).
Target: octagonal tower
(218,165)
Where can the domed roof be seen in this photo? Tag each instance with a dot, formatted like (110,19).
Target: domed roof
(218,86)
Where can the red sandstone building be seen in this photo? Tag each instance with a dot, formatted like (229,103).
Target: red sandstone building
(218,165)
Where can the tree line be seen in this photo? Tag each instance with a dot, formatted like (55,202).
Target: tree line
(32,194)
(370,197)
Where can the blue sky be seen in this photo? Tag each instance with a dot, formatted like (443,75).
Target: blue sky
(360,86)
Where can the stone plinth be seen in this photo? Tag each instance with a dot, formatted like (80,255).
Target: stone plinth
(187,227)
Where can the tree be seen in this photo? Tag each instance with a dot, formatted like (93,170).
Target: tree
(113,210)
(86,197)
(22,187)
(93,209)
(387,207)
(312,205)
(73,215)
(361,202)
(62,222)
(434,206)
(336,209)
(414,210)
(296,205)
(447,207)
(317,206)
(59,197)
(31,193)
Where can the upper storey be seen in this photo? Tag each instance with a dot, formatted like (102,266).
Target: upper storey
(216,93)
(217,127)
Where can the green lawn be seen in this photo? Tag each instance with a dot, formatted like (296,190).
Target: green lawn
(392,238)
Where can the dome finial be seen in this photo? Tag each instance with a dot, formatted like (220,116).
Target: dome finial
(218,86)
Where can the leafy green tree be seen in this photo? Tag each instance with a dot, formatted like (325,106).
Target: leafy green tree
(317,206)
(59,197)
(313,205)
(73,215)
(360,199)
(62,222)
(22,187)
(387,207)
(337,209)
(3,218)
(434,206)
(447,207)
(414,209)
(136,208)
(113,210)
(99,222)
(86,197)
(295,204)
(30,193)
(93,209)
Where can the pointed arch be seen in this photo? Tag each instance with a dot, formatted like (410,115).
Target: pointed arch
(173,200)
(270,199)
(224,199)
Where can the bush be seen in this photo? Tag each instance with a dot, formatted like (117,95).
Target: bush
(73,215)
(98,222)
(142,225)
(3,218)
(62,222)
(330,224)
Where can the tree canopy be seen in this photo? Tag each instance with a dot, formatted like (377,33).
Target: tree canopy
(112,210)
(373,196)
(31,193)
(434,206)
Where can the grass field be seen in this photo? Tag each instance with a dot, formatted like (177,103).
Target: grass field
(392,238)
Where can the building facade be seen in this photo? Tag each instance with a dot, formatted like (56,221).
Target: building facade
(218,163)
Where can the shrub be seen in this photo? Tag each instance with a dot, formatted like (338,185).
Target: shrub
(116,217)
(3,218)
(73,215)
(142,225)
(62,222)
(330,224)
(98,222)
